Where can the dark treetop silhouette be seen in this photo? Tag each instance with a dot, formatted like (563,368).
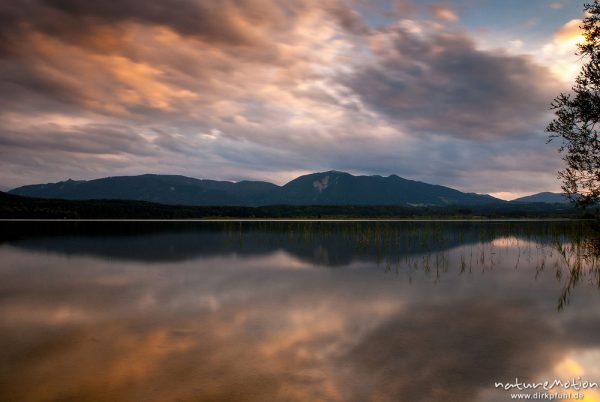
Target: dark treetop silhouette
(577,116)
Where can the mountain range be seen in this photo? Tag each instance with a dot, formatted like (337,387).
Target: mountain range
(325,188)
(545,197)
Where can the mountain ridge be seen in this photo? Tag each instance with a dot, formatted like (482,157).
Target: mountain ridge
(545,197)
(321,188)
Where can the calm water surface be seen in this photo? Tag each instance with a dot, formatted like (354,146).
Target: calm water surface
(313,311)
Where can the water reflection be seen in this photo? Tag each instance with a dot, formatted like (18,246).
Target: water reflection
(249,312)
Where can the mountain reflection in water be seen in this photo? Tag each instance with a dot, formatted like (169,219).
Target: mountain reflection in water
(294,311)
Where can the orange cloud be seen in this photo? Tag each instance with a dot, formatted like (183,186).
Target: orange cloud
(569,34)
(445,13)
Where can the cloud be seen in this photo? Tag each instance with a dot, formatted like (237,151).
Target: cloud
(259,89)
(95,139)
(439,82)
(516,44)
(444,13)
(569,34)
(230,22)
(560,52)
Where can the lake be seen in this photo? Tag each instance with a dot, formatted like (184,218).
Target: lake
(297,311)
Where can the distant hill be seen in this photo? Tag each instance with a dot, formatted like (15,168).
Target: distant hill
(545,197)
(163,189)
(339,188)
(327,188)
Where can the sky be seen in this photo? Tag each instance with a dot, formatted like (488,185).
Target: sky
(450,92)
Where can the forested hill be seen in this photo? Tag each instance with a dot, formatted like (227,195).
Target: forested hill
(327,188)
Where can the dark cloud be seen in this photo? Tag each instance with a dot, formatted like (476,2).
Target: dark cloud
(348,18)
(96,139)
(229,22)
(441,83)
(210,20)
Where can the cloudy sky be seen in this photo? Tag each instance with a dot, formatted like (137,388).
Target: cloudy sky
(452,92)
